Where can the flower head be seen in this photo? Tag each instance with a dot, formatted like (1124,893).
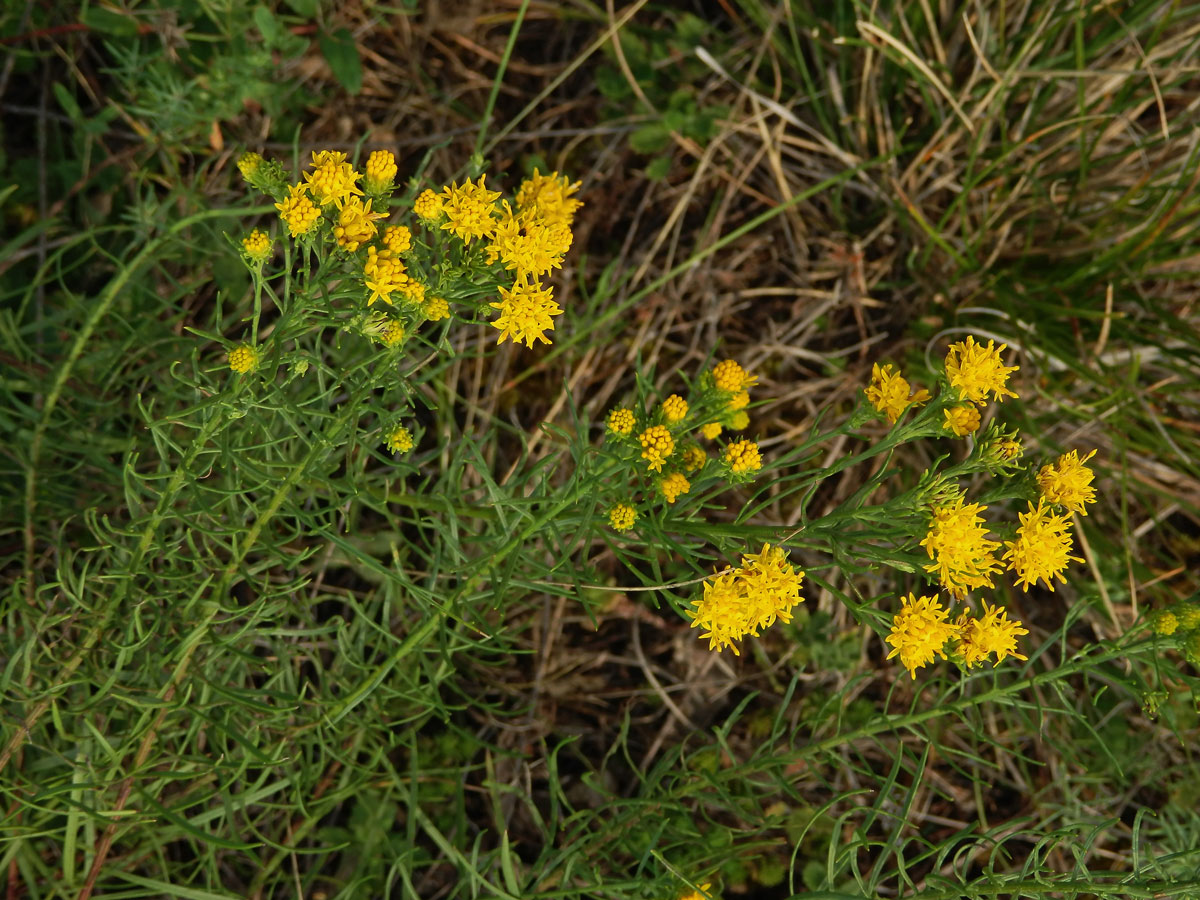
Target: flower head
(381,171)
(526,313)
(890,394)
(469,209)
(398,239)
(919,633)
(249,164)
(962,420)
(1165,623)
(1042,548)
(738,421)
(674,485)
(1068,482)
(990,633)
(399,440)
(974,371)
(333,180)
(622,516)
(620,420)
(435,309)
(963,557)
(392,333)
(712,430)
(743,457)
(549,198)
(729,376)
(257,246)
(694,458)
(674,409)
(763,589)
(428,206)
(657,445)
(244,358)
(298,213)
(740,400)
(355,224)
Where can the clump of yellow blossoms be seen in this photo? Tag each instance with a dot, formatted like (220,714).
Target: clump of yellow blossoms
(763,589)
(622,516)
(257,246)
(890,394)
(333,207)
(963,557)
(399,440)
(922,629)
(975,371)
(657,444)
(962,420)
(1068,482)
(243,359)
(1042,547)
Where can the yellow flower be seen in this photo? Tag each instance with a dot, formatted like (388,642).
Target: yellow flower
(399,440)
(764,588)
(333,180)
(257,246)
(890,394)
(657,445)
(298,212)
(962,420)
(383,275)
(392,333)
(990,633)
(711,431)
(435,309)
(381,171)
(974,371)
(469,210)
(697,895)
(674,485)
(674,409)
(398,239)
(526,313)
(919,633)
(740,400)
(963,557)
(1165,623)
(248,164)
(243,358)
(549,198)
(1189,616)
(622,516)
(743,457)
(355,225)
(739,420)
(620,420)
(694,458)
(524,244)
(1068,482)
(730,377)
(413,291)
(428,206)
(1042,548)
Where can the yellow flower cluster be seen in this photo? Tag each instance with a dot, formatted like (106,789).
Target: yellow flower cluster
(243,359)
(922,629)
(761,590)
(1068,482)
(663,440)
(890,393)
(1181,622)
(257,246)
(975,371)
(957,543)
(399,440)
(524,240)
(1042,547)
(622,516)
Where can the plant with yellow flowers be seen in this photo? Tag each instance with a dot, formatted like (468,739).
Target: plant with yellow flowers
(363,257)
